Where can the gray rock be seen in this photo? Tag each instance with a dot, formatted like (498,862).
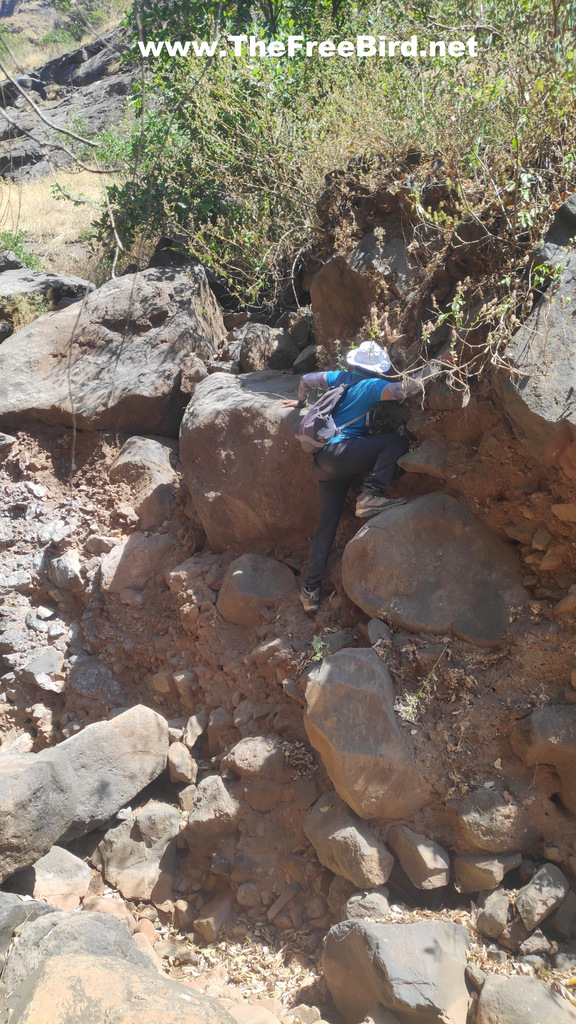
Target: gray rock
(561,923)
(138,857)
(428,458)
(106,986)
(425,862)
(350,721)
(544,892)
(423,545)
(13,911)
(6,442)
(345,845)
(473,873)
(15,283)
(38,799)
(493,914)
(90,678)
(378,630)
(414,970)
(548,736)
(69,932)
(144,464)
(44,669)
(10,261)
(64,572)
(538,399)
(475,976)
(306,361)
(115,361)
(371,906)
(216,814)
(181,765)
(251,584)
(510,1000)
(248,477)
(266,348)
(112,762)
(59,877)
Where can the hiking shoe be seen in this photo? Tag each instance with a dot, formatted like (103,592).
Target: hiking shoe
(310,599)
(371,504)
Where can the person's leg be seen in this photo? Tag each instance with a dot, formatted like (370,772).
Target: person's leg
(393,447)
(332,494)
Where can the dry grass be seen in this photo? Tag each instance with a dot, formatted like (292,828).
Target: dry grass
(54,226)
(28,51)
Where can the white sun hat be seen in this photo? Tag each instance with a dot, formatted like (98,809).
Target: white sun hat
(370,357)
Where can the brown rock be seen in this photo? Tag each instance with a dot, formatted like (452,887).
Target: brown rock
(144,464)
(425,862)
(428,458)
(258,757)
(423,546)
(474,873)
(248,477)
(345,844)
(252,584)
(351,722)
(145,927)
(548,736)
(110,905)
(132,563)
(181,765)
(70,989)
(138,856)
(214,916)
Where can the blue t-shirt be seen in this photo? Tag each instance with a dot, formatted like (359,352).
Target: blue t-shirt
(361,398)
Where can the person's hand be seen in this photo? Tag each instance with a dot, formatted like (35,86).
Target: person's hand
(290,403)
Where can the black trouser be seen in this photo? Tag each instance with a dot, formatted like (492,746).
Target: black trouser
(335,467)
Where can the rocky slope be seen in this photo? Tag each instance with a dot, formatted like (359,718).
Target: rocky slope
(363,816)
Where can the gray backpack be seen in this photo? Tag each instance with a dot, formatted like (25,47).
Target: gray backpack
(317,426)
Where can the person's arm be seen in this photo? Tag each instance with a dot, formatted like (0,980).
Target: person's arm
(413,385)
(308,382)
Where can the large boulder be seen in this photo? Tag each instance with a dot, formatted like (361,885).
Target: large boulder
(251,585)
(13,912)
(416,971)
(115,361)
(548,736)
(407,565)
(113,761)
(80,988)
(539,396)
(138,857)
(345,845)
(248,476)
(38,798)
(350,721)
(511,1000)
(70,931)
(144,463)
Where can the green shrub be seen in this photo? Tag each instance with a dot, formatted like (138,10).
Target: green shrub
(14,241)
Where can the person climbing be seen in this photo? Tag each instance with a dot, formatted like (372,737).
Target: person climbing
(353,449)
